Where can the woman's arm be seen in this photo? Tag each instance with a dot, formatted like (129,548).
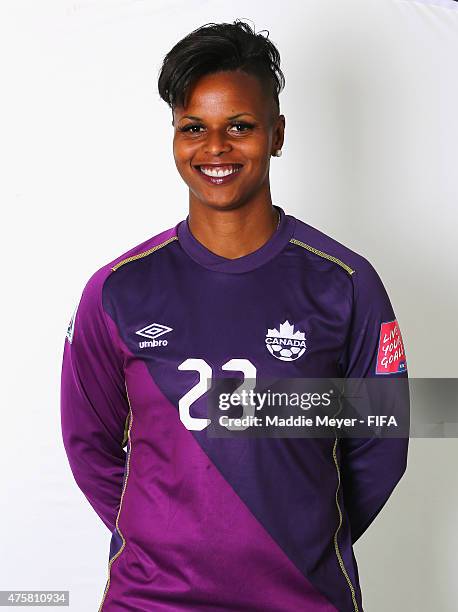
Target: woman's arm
(371,467)
(94,405)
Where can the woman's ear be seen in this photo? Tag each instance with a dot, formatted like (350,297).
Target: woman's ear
(279,132)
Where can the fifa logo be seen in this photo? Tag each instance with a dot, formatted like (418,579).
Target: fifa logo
(284,343)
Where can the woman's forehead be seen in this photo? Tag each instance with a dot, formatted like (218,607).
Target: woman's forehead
(227,93)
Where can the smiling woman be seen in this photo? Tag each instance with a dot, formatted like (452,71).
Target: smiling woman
(219,141)
(237,288)
(222,83)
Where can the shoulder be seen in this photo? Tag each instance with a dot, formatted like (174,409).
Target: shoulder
(318,246)
(321,246)
(97,280)
(90,304)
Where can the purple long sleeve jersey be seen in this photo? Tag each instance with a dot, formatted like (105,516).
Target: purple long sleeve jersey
(211,524)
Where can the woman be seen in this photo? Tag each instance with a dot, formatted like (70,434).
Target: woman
(201,523)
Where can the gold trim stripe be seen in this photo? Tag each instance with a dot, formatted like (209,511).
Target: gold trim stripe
(126,431)
(336,544)
(120,506)
(144,254)
(322,254)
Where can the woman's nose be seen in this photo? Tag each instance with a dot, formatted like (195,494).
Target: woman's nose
(217,142)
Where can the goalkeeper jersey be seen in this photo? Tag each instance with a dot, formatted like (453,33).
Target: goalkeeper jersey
(211,524)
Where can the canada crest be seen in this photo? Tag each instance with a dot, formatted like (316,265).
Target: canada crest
(284,343)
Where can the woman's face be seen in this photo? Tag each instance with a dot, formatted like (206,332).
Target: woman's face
(228,125)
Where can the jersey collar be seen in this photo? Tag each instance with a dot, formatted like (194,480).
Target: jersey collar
(200,254)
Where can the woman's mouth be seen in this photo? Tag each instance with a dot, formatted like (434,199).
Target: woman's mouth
(219,174)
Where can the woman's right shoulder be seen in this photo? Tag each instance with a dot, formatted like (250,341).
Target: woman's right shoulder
(98,278)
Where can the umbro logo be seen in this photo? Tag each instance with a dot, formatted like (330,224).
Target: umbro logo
(152,332)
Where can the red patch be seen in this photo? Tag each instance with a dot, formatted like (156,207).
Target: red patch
(390,355)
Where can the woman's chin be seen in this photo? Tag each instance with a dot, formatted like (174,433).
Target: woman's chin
(220,201)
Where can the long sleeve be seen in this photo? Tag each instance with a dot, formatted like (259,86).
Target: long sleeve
(94,406)
(371,467)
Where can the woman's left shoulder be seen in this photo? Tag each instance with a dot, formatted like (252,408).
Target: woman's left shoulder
(320,244)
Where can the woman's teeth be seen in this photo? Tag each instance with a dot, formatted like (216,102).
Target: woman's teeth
(220,171)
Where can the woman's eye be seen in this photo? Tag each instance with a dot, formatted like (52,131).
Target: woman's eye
(188,128)
(244,126)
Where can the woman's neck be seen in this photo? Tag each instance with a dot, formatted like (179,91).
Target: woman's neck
(234,232)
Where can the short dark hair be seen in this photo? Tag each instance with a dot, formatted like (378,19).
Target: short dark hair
(217,47)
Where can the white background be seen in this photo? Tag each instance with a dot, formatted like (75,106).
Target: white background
(87,172)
